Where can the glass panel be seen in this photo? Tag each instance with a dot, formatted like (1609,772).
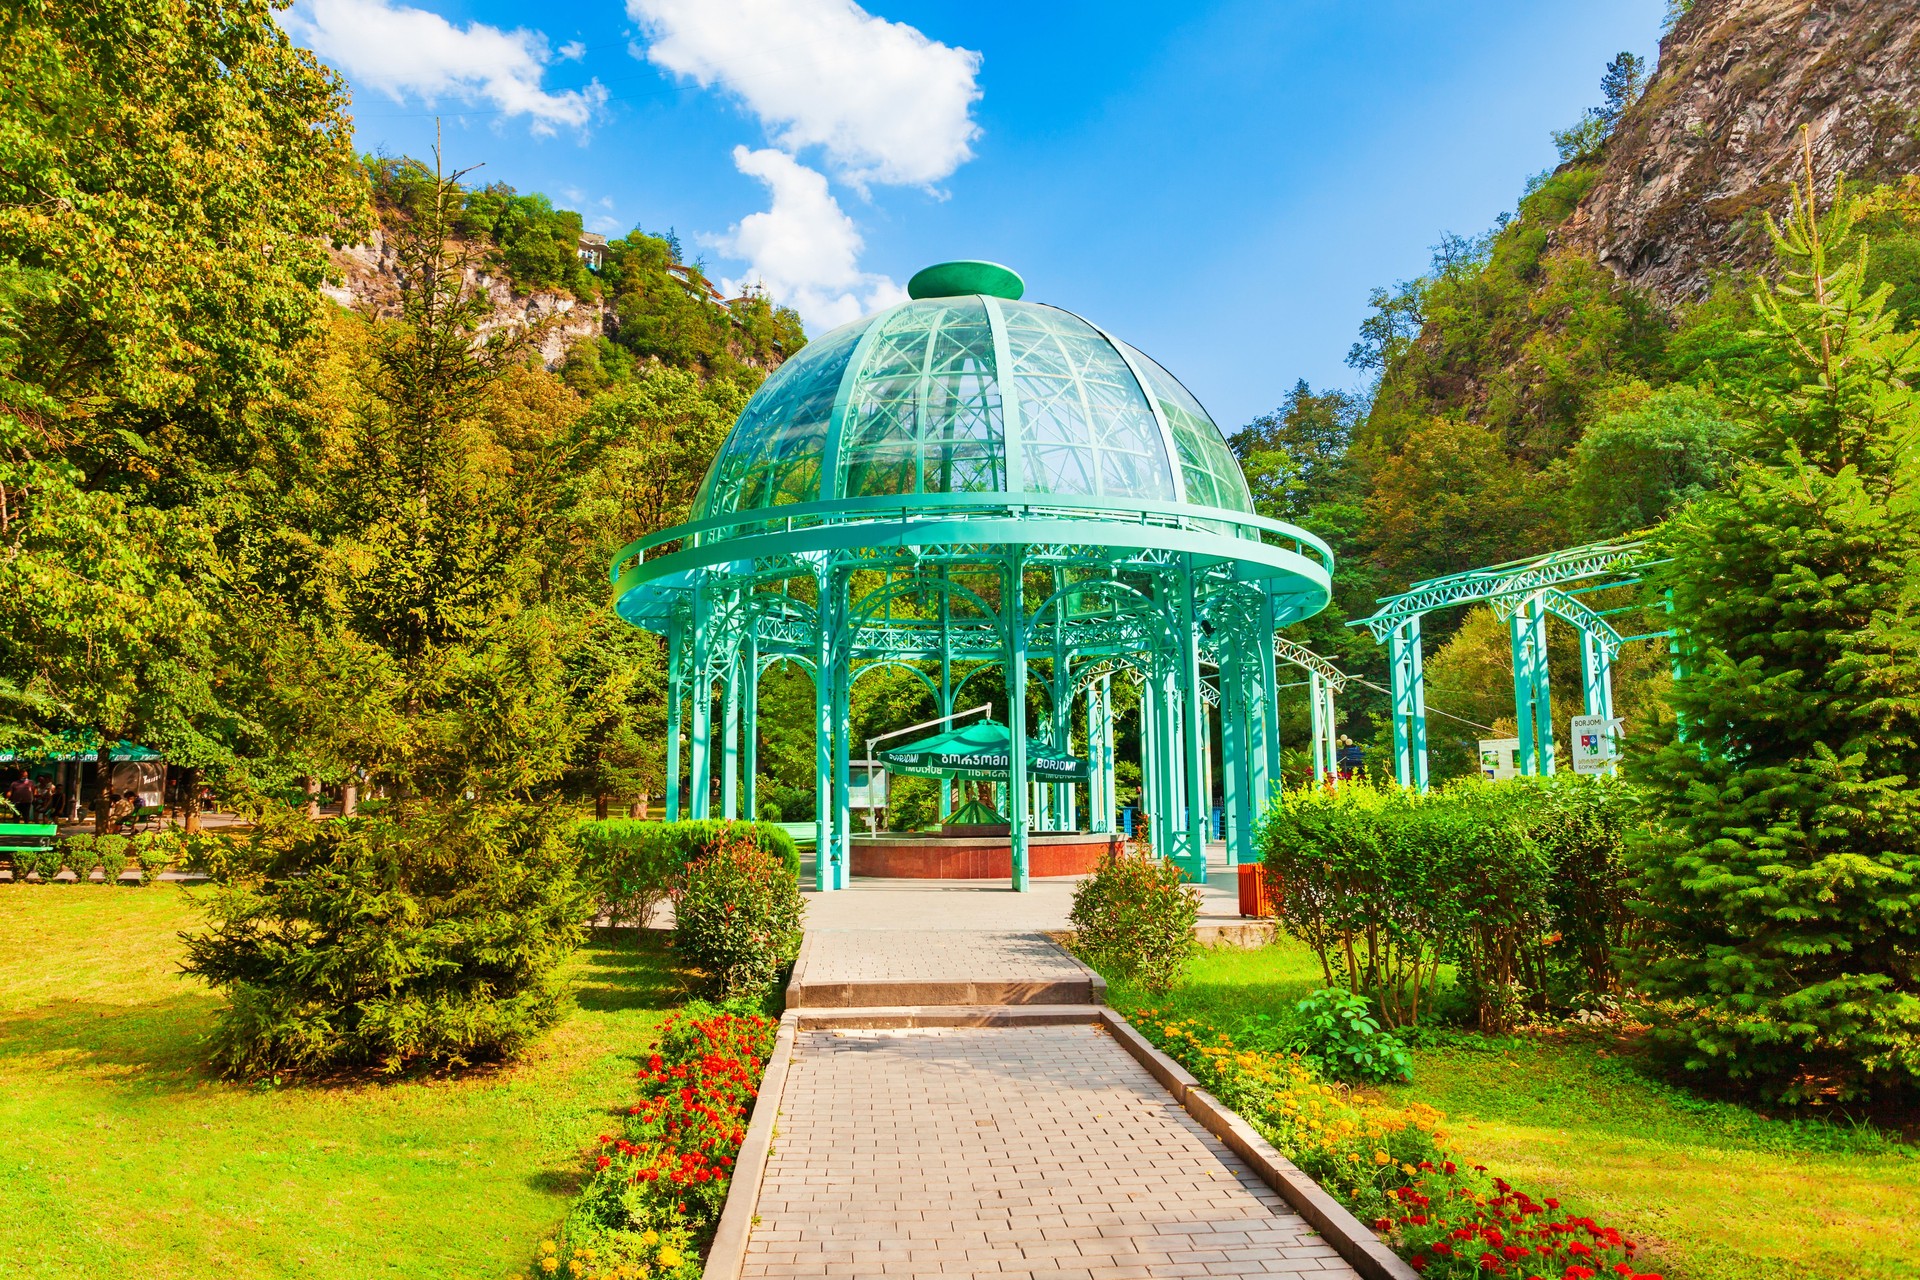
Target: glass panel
(923,414)
(773,454)
(1087,425)
(1213,478)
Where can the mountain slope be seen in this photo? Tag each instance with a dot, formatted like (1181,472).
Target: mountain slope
(1715,140)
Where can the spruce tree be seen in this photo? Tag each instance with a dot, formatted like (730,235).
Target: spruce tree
(1781,868)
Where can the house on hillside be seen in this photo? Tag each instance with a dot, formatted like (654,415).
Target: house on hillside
(593,250)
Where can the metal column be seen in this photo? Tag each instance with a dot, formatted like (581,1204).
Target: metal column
(1409,681)
(1195,723)
(822,736)
(730,744)
(750,726)
(1016,622)
(701,691)
(1532,693)
(676,700)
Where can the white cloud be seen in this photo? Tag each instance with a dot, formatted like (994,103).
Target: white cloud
(571,51)
(887,104)
(804,250)
(404,51)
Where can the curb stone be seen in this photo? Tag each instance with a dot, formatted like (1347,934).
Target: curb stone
(727,1256)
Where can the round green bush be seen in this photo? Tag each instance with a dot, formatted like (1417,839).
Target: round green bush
(1134,918)
(111,853)
(737,912)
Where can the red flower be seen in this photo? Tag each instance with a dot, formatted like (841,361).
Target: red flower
(1418,1262)
(602,1162)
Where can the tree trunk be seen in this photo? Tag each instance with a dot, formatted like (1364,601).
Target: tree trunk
(102,784)
(313,799)
(600,803)
(349,798)
(190,799)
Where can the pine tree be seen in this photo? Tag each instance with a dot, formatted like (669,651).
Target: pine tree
(1781,869)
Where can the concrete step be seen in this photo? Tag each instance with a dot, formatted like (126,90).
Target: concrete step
(869,969)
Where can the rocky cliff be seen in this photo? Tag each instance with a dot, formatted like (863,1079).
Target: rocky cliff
(1715,140)
(369,277)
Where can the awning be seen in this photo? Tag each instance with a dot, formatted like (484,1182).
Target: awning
(980,750)
(72,751)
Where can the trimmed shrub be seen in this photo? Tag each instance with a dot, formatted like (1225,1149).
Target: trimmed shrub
(630,866)
(110,852)
(155,851)
(1519,885)
(737,913)
(1134,918)
(405,937)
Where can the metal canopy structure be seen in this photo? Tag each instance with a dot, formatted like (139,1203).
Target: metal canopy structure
(1522,593)
(1004,499)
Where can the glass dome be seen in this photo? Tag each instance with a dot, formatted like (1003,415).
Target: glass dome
(972,394)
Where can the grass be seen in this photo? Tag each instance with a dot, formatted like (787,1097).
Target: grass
(1713,1190)
(123,1156)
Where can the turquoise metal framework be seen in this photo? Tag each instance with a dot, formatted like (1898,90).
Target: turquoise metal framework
(1002,498)
(1522,593)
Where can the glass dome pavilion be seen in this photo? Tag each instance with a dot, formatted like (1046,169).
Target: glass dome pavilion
(1016,505)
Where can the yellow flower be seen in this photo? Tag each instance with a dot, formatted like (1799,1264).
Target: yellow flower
(1408,1169)
(650,1238)
(549,1264)
(546,1246)
(1353,1157)
(669,1257)
(1381,1157)
(575,1267)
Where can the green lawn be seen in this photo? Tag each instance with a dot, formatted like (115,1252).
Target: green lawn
(121,1156)
(1715,1191)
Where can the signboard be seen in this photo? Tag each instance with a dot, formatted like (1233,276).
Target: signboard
(1499,758)
(1593,743)
(866,784)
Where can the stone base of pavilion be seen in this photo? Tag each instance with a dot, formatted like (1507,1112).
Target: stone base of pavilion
(941,856)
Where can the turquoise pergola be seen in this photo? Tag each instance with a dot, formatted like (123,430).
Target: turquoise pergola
(1018,507)
(1523,593)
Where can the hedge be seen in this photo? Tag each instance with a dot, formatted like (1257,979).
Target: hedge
(1518,885)
(630,865)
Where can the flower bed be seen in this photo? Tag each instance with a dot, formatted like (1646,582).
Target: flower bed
(1454,1226)
(1388,1165)
(655,1188)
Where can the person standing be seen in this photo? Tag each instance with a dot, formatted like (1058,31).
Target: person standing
(20,796)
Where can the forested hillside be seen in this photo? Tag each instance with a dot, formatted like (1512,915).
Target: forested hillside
(1530,392)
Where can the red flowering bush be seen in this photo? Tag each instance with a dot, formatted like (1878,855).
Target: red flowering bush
(1451,1225)
(656,1186)
(737,912)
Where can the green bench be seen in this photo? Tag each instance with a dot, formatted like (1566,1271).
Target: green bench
(26,837)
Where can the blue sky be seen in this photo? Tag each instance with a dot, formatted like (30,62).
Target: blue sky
(1219,183)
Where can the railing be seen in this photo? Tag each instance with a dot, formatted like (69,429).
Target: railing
(922,508)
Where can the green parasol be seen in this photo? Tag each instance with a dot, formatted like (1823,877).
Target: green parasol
(979,751)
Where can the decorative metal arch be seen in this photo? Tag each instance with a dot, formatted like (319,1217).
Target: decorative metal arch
(1522,593)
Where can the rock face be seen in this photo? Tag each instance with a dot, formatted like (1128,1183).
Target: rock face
(371,283)
(1715,140)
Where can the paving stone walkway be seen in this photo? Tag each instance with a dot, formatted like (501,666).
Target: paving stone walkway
(902,955)
(1036,1152)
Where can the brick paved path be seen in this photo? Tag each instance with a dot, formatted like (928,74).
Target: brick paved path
(900,955)
(1004,1152)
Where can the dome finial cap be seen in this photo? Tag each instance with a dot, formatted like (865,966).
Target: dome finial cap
(959,279)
